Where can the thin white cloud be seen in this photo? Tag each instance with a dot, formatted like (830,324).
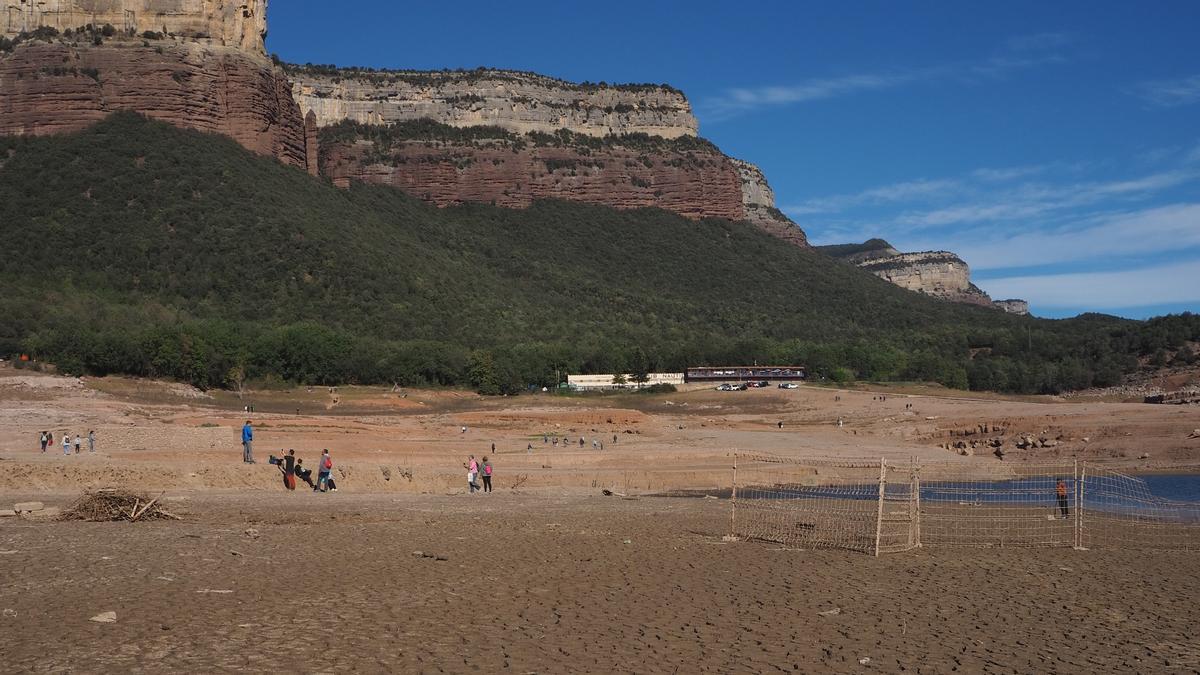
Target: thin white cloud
(1157,230)
(1170,93)
(1008,173)
(1164,284)
(1040,42)
(896,192)
(1034,200)
(1020,53)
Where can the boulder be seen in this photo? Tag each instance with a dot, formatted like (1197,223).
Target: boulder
(28,507)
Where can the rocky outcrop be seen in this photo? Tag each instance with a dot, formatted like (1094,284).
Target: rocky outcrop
(515,101)
(62,86)
(526,137)
(938,273)
(691,178)
(231,23)
(1018,307)
(758,201)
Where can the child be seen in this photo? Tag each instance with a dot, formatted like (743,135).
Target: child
(78,443)
(45,440)
(67,444)
(487,475)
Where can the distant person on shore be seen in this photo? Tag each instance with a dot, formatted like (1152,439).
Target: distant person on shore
(1060,491)
(288,467)
(325,481)
(91,441)
(305,474)
(487,475)
(45,440)
(248,443)
(78,443)
(472,468)
(67,444)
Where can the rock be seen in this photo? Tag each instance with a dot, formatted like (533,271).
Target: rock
(966,452)
(7,513)
(418,554)
(864,661)
(27,507)
(1195,434)
(106,617)
(938,273)
(831,612)
(1049,443)
(252,533)
(240,24)
(207,87)
(1144,455)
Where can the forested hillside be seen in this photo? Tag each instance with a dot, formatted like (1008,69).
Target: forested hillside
(136,247)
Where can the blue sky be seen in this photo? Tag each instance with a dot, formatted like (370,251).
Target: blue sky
(1055,146)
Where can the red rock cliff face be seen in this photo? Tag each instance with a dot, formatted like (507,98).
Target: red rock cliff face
(695,185)
(48,88)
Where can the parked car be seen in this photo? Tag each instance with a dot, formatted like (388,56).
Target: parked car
(725,387)
(789,385)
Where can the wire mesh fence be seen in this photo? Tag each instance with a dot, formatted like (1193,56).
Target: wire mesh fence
(886,506)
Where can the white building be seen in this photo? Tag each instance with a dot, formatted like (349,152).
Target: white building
(605,382)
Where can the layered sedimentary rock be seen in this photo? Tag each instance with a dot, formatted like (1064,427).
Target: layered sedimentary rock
(62,85)
(1018,307)
(938,273)
(512,171)
(232,23)
(527,137)
(516,101)
(758,202)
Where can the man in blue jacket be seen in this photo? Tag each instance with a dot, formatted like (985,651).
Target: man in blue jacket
(247,443)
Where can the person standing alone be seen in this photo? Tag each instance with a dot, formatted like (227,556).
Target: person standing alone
(248,443)
(1060,491)
(487,475)
(45,440)
(91,441)
(67,444)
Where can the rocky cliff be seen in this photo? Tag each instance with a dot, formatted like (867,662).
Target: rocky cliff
(510,138)
(516,101)
(1018,307)
(58,84)
(938,273)
(448,165)
(231,23)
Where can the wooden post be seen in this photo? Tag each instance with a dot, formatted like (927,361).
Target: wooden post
(879,512)
(916,528)
(733,501)
(1079,510)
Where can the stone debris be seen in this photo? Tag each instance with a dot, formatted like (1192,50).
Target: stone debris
(106,617)
(7,513)
(28,507)
(831,612)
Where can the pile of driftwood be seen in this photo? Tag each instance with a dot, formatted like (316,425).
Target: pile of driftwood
(111,505)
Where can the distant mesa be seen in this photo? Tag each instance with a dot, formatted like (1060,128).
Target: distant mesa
(941,274)
(510,138)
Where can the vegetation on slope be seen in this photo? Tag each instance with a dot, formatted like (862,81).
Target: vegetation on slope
(135,247)
(847,250)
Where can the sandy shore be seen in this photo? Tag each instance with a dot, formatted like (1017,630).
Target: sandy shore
(540,583)
(546,575)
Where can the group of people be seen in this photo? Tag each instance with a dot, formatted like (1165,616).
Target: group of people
(47,440)
(292,468)
(476,469)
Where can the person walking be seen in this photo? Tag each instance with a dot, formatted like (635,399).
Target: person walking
(1060,491)
(472,468)
(67,444)
(45,440)
(487,475)
(78,443)
(248,443)
(91,441)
